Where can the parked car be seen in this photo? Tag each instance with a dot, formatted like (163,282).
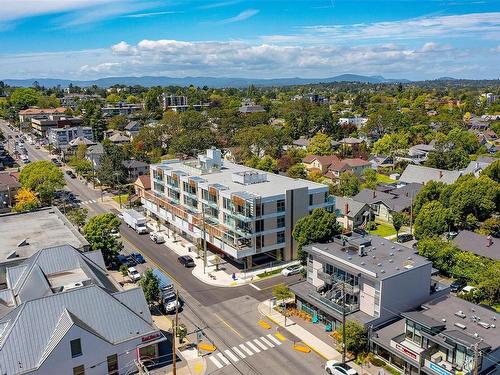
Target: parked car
(457,285)
(157,237)
(292,270)
(131,261)
(115,233)
(138,258)
(122,259)
(405,237)
(334,368)
(134,274)
(186,261)
(70,173)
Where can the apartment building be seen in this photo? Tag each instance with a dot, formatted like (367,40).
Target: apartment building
(60,138)
(378,279)
(121,108)
(41,125)
(25,115)
(441,337)
(248,215)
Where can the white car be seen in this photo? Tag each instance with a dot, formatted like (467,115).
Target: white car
(292,270)
(172,305)
(333,367)
(157,237)
(120,216)
(115,233)
(134,274)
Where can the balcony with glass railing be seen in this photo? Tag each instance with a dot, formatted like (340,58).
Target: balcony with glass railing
(332,304)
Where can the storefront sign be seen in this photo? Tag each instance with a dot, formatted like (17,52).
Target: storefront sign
(151,337)
(405,350)
(437,369)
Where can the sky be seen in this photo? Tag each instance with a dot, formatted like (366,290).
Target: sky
(89,39)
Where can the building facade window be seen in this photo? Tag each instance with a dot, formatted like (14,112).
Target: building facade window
(310,199)
(280,237)
(259,226)
(76,348)
(280,205)
(79,370)
(113,364)
(280,221)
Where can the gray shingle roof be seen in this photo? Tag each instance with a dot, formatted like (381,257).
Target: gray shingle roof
(91,308)
(478,244)
(422,175)
(392,200)
(354,207)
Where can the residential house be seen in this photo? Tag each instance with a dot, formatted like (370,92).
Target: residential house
(357,121)
(419,153)
(369,278)
(135,168)
(477,166)
(383,203)
(132,128)
(248,214)
(118,139)
(355,166)
(248,106)
(9,185)
(94,154)
(485,246)
(350,213)
(73,100)
(381,162)
(320,163)
(142,185)
(302,143)
(444,336)
(85,322)
(422,175)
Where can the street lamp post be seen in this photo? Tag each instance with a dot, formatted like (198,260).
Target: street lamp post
(204,239)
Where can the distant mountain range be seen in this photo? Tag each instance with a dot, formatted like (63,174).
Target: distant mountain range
(148,81)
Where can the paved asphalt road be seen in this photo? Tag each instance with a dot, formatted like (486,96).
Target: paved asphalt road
(227,316)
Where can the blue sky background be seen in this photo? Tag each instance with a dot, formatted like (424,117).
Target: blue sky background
(86,39)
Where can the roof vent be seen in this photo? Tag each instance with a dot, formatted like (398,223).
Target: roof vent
(393,247)
(476,334)
(484,325)
(349,257)
(492,326)
(460,314)
(363,263)
(382,243)
(373,256)
(23,243)
(391,260)
(409,258)
(397,268)
(460,325)
(391,254)
(382,271)
(443,320)
(399,249)
(379,264)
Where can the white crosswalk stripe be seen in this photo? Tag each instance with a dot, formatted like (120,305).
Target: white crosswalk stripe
(260,344)
(239,352)
(274,339)
(248,351)
(266,341)
(231,355)
(222,358)
(216,362)
(253,347)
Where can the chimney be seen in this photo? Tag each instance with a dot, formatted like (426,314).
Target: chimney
(440,174)
(346,208)
(374,194)
(490,241)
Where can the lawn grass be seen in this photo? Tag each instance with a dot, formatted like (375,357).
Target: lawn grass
(269,273)
(384,179)
(123,197)
(383,229)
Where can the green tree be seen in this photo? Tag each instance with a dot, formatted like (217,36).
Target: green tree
(432,220)
(321,144)
(113,98)
(267,164)
(319,226)
(349,184)
(92,117)
(355,337)
(152,102)
(431,191)
(492,171)
(78,216)
(43,177)
(98,230)
(22,98)
(151,286)
(370,177)
(117,122)
(281,292)
(392,144)
(490,281)
(123,270)
(297,171)
(490,226)
(111,171)
(440,252)
(398,220)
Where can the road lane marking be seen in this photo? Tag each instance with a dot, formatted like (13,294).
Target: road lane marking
(231,355)
(223,359)
(255,286)
(229,326)
(274,339)
(253,347)
(216,362)
(280,336)
(266,341)
(248,351)
(239,352)
(260,344)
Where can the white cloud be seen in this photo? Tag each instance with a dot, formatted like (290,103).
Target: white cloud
(473,25)
(219,5)
(246,14)
(150,14)
(100,68)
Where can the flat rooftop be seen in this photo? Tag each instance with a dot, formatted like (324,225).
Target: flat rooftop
(29,232)
(383,258)
(274,184)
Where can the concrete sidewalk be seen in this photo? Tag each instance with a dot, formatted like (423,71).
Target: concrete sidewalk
(316,344)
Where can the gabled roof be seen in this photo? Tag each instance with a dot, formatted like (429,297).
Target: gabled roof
(132,125)
(144,181)
(325,160)
(347,164)
(354,207)
(132,163)
(422,175)
(97,149)
(393,201)
(117,137)
(91,308)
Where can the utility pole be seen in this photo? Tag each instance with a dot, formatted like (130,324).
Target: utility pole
(204,239)
(174,333)
(343,323)
(476,357)
(411,214)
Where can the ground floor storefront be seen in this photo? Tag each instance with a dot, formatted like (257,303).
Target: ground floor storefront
(395,360)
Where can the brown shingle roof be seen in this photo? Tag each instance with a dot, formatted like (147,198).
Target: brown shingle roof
(145,181)
(48,111)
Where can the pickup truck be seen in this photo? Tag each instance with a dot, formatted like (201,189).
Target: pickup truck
(135,221)
(157,237)
(134,274)
(167,292)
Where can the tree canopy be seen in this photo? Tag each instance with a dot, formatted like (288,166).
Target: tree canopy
(43,177)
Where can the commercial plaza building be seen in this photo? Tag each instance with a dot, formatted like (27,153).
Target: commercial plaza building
(246,214)
(370,278)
